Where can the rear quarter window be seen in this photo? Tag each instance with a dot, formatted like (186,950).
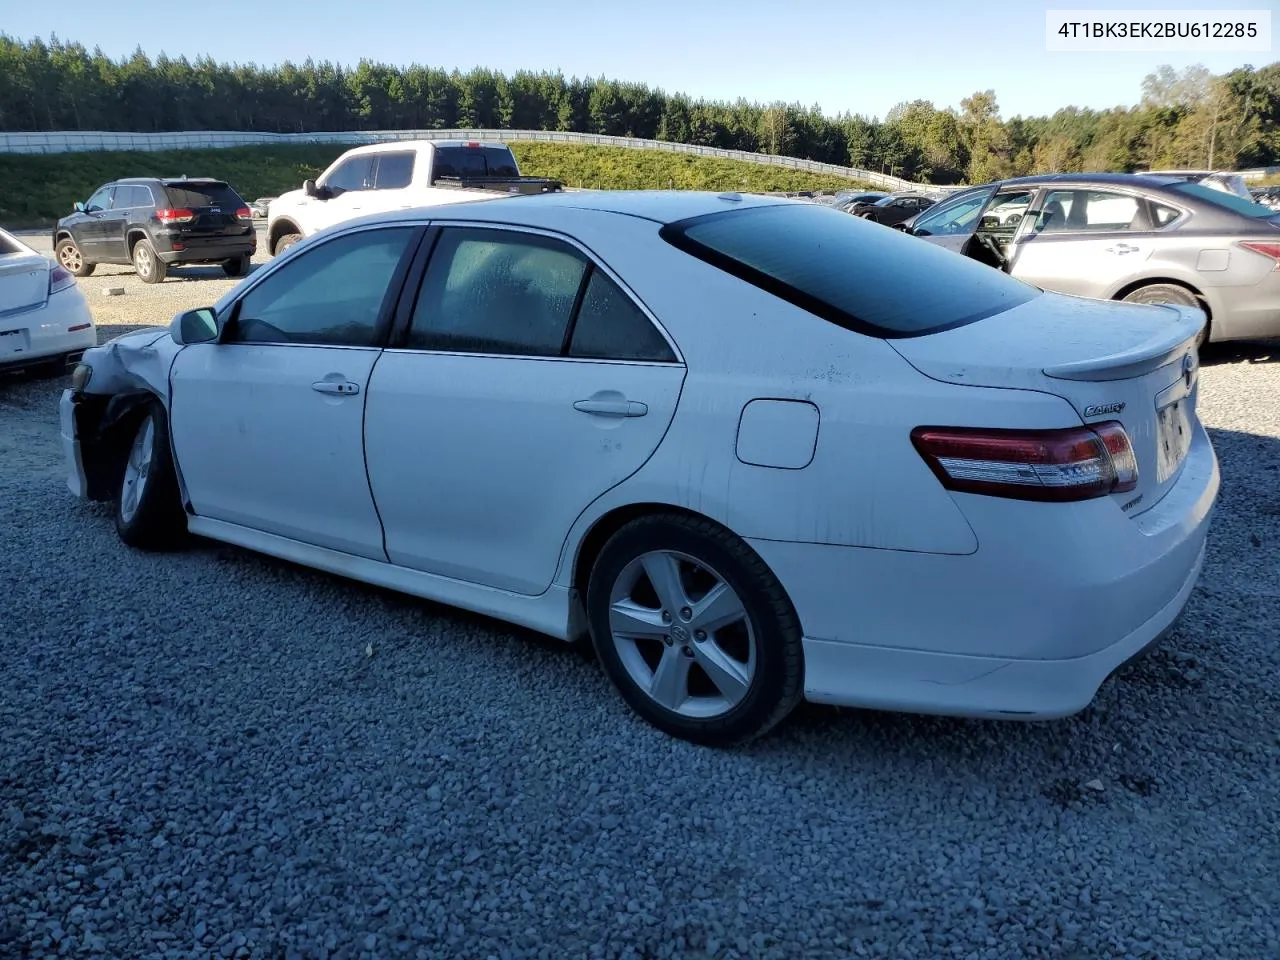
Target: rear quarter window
(856,274)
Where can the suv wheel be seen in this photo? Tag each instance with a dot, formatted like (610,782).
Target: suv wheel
(148,266)
(237,267)
(71,259)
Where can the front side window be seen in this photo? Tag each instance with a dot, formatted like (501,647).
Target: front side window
(494,291)
(355,173)
(953,218)
(330,295)
(99,201)
(395,170)
(881,282)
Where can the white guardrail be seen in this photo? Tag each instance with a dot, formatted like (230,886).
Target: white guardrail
(78,140)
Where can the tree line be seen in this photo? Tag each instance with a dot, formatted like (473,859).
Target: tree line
(1190,118)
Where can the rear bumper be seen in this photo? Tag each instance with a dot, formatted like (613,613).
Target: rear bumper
(1030,625)
(205,249)
(60,330)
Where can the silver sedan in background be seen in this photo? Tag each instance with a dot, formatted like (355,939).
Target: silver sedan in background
(1144,239)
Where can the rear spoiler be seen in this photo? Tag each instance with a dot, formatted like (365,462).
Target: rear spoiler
(1184,326)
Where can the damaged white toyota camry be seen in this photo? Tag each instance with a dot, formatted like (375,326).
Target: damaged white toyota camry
(756,450)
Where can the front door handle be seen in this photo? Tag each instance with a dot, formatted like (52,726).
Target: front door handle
(612,408)
(1122,248)
(344,387)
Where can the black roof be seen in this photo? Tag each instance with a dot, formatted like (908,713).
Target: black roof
(170,181)
(1119,179)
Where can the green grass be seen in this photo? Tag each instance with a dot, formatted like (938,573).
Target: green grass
(37,189)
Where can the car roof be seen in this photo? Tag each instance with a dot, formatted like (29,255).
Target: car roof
(1118,179)
(171,181)
(659,206)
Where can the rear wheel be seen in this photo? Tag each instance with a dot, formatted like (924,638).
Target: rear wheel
(1170,293)
(287,241)
(237,267)
(694,630)
(71,259)
(148,505)
(149,267)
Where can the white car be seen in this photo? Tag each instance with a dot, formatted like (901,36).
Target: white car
(44,318)
(756,449)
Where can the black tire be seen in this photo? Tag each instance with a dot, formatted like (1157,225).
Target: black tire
(154,518)
(149,267)
(1170,293)
(285,242)
(776,685)
(71,259)
(237,267)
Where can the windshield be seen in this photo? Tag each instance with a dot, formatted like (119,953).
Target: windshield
(1222,199)
(857,275)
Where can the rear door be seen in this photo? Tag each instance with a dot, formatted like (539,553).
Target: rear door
(1084,241)
(526,384)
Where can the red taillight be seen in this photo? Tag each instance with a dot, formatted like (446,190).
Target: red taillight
(167,215)
(473,143)
(60,279)
(1078,463)
(1271,250)
(244,213)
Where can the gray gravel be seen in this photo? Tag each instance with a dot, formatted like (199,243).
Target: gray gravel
(198,758)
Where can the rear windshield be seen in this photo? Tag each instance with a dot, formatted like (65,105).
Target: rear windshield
(1222,199)
(856,274)
(475,162)
(189,195)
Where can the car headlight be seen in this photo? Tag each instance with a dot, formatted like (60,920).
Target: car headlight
(81,376)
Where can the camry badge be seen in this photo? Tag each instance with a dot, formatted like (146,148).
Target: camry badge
(1101,409)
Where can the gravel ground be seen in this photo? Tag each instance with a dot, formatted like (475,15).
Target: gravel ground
(198,759)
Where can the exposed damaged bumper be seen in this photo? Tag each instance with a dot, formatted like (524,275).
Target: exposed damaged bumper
(72,452)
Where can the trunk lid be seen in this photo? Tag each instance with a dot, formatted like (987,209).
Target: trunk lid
(1133,363)
(24,281)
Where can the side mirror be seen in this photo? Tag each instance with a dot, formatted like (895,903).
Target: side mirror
(194,326)
(78,207)
(310,189)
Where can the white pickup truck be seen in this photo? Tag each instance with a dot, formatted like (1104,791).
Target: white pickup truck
(398,175)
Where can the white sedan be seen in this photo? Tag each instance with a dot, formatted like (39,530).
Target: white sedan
(44,318)
(755,449)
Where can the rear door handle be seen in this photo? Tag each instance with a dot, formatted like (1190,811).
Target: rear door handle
(612,408)
(344,387)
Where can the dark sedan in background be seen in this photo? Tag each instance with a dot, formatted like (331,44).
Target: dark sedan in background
(895,208)
(1144,239)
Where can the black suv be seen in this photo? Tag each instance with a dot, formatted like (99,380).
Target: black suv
(153,223)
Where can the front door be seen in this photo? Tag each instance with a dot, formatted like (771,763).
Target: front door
(268,422)
(90,233)
(527,385)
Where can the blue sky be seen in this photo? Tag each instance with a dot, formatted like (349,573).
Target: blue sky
(842,55)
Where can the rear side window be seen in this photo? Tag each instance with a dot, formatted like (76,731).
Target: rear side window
(191,195)
(857,275)
(395,170)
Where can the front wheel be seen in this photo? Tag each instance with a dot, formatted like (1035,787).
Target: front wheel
(695,631)
(149,267)
(1170,293)
(148,505)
